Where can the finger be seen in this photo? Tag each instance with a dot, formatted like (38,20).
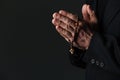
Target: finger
(64,36)
(90,11)
(64,19)
(85,36)
(64,32)
(92,15)
(69,15)
(53,20)
(81,34)
(54,14)
(81,41)
(85,13)
(80,24)
(56,22)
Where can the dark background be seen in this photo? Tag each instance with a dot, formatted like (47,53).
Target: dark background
(30,47)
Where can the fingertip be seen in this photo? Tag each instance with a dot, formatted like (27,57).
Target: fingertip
(55,14)
(84,12)
(57,27)
(85,4)
(89,7)
(90,11)
(53,21)
(84,8)
(62,12)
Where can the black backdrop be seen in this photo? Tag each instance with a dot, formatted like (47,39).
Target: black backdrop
(30,48)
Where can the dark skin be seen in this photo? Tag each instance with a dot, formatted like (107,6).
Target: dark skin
(66,24)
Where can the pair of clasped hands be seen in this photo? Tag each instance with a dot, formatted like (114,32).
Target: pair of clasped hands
(67,25)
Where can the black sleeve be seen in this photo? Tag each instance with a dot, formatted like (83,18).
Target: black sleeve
(104,49)
(104,53)
(76,58)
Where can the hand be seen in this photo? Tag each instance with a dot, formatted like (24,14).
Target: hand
(89,14)
(66,24)
(90,19)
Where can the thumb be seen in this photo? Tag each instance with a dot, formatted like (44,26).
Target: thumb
(92,16)
(85,13)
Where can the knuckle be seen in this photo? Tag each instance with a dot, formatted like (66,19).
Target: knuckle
(62,24)
(75,17)
(58,22)
(60,30)
(71,29)
(68,33)
(80,23)
(68,21)
(71,23)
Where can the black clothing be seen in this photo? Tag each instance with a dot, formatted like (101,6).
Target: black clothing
(102,59)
